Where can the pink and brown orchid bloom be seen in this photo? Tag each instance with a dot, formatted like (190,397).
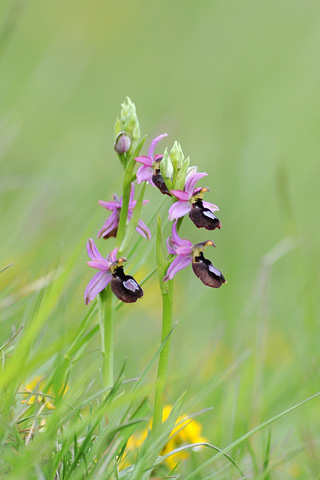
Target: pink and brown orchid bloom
(190,201)
(111,271)
(110,227)
(187,254)
(150,168)
(104,276)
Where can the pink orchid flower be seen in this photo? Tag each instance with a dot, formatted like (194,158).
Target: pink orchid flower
(146,171)
(110,227)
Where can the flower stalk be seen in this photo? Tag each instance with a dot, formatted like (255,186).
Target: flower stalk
(167,310)
(128,178)
(106,306)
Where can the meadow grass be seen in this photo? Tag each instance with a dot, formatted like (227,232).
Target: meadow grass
(237,84)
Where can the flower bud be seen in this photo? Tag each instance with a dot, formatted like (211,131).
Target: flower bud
(176,155)
(166,167)
(122,143)
(182,174)
(128,121)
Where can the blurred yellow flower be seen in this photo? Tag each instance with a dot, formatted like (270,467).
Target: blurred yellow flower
(40,397)
(185,432)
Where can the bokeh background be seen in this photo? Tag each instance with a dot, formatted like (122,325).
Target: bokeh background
(237,83)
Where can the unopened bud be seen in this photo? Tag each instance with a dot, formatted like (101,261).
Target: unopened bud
(122,143)
(182,175)
(128,121)
(166,167)
(176,155)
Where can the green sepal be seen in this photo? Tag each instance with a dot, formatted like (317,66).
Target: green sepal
(166,169)
(181,176)
(177,159)
(177,156)
(122,158)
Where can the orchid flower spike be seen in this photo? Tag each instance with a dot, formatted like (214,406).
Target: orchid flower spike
(150,169)
(187,253)
(110,227)
(110,269)
(190,201)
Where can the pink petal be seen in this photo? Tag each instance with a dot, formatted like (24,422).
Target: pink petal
(184,250)
(92,250)
(96,285)
(179,209)
(154,143)
(144,174)
(146,161)
(110,224)
(211,206)
(112,256)
(191,171)
(108,205)
(143,230)
(181,195)
(176,239)
(178,263)
(103,264)
(191,182)
(171,247)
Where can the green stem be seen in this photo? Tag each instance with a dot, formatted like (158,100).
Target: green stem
(124,211)
(129,176)
(167,312)
(167,304)
(106,321)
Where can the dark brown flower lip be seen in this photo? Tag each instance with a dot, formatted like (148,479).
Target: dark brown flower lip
(160,183)
(203,217)
(125,287)
(207,272)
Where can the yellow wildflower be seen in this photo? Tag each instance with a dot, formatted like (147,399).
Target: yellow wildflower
(40,397)
(185,432)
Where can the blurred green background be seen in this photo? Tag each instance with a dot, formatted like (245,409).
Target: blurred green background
(237,83)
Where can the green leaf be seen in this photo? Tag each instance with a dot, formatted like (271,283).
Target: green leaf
(249,434)
(131,155)
(199,444)
(5,268)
